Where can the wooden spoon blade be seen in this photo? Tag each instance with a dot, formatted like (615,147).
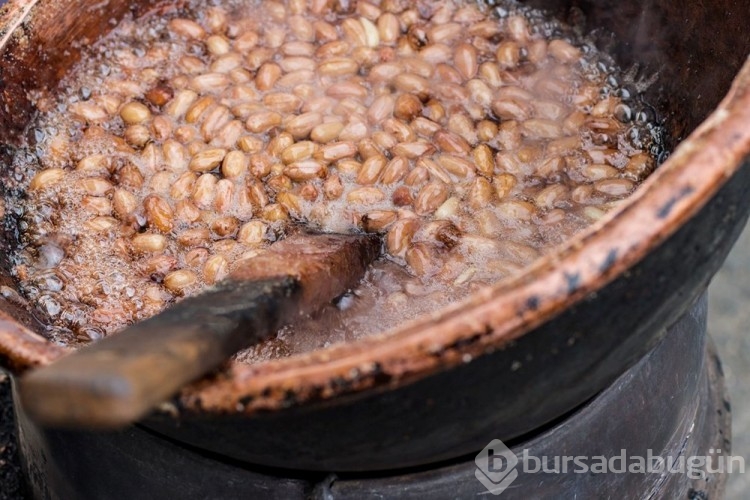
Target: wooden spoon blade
(119,379)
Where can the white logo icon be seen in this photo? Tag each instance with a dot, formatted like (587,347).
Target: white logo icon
(496,467)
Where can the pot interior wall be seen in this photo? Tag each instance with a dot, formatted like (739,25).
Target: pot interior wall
(692,50)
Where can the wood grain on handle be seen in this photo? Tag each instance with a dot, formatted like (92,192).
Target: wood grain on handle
(119,379)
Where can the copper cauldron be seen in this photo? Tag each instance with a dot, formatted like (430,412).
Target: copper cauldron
(508,359)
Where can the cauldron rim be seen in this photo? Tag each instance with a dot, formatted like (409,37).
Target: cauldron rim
(488,319)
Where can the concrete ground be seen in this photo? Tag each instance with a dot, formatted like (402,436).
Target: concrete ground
(728,323)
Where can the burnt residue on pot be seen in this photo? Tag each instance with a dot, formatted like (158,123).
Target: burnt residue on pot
(664,210)
(574,279)
(609,261)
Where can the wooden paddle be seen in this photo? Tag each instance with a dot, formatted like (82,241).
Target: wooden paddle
(119,379)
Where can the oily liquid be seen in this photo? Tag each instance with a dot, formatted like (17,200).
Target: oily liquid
(569,140)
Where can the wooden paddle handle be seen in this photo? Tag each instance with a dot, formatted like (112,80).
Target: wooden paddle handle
(120,378)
